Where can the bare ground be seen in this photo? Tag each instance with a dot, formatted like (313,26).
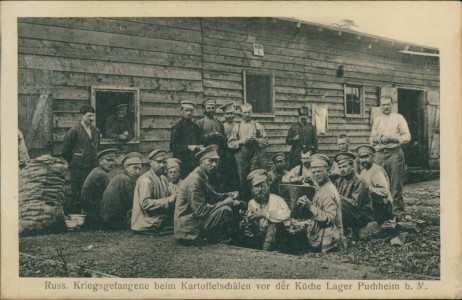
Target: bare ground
(124,254)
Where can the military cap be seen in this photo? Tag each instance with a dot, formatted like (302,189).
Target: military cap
(219,111)
(210,151)
(209,101)
(344,156)
(278,155)
(173,163)
(106,153)
(228,107)
(365,149)
(319,160)
(131,158)
(257,176)
(158,154)
(121,107)
(303,111)
(188,104)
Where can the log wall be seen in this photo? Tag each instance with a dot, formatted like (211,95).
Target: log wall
(174,59)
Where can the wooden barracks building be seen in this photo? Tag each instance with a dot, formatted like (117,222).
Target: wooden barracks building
(276,64)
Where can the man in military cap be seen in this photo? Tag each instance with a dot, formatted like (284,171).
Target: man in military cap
(325,227)
(186,139)
(118,197)
(301,136)
(343,143)
(228,161)
(354,194)
(377,180)
(213,133)
(268,212)
(200,211)
(95,185)
(118,126)
(300,174)
(248,138)
(279,170)
(174,175)
(80,148)
(153,201)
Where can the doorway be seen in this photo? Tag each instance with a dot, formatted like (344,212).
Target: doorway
(411,104)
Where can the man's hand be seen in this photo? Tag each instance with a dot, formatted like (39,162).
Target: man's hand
(122,137)
(171,199)
(228,201)
(296,138)
(234,194)
(258,215)
(304,201)
(296,179)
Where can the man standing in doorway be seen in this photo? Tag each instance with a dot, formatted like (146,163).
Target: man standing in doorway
(301,136)
(247,139)
(389,132)
(80,148)
(185,139)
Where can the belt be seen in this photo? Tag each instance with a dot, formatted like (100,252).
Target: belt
(390,150)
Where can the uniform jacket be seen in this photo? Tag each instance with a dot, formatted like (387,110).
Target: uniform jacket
(78,149)
(114,127)
(185,132)
(93,189)
(354,190)
(377,180)
(308,140)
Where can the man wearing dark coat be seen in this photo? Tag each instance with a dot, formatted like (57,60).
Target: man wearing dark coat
(200,212)
(80,147)
(118,126)
(275,176)
(301,136)
(186,139)
(354,195)
(95,185)
(228,161)
(117,199)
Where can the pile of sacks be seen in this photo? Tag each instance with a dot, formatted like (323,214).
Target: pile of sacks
(41,195)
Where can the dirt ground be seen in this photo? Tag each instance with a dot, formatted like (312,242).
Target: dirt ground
(124,254)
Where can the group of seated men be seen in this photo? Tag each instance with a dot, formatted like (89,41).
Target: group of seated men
(158,200)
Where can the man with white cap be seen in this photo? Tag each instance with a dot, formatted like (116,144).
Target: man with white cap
(267,211)
(279,171)
(301,136)
(247,139)
(186,138)
(389,132)
(95,184)
(325,227)
(153,201)
(228,161)
(200,211)
(118,197)
(354,193)
(118,126)
(377,180)
(174,175)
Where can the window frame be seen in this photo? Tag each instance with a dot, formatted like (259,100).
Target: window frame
(273,97)
(362,100)
(136,92)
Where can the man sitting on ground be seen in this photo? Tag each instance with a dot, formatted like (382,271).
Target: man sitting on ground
(94,186)
(275,176)
(324,227)
(267,212)
(377,180)
(300,174)
(153,202)
(201,212)
(354,194)
(118,196)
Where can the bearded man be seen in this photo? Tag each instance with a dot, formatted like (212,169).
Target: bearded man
(275,176)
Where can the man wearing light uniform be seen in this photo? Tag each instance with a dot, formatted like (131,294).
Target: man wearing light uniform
(300,174)
(186,139)
(173,174)
(389,132)
(153,202)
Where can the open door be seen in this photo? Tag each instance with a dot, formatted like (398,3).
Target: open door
(433,117)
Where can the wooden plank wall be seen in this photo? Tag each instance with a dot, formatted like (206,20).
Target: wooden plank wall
(173,59)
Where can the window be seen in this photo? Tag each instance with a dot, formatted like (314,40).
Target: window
(258,91)
(354,100)
(117,114)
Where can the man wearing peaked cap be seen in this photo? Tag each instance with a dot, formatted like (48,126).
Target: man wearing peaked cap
(378,183)
(94,186)
(118,197)
(213,133)
(200,211)
(275,175)
(267,211)
(301,136)
(325,230)
(228,162)
(153,201)
(354,194)
(118,125)
(173,174)
(186,138)
(343,144)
